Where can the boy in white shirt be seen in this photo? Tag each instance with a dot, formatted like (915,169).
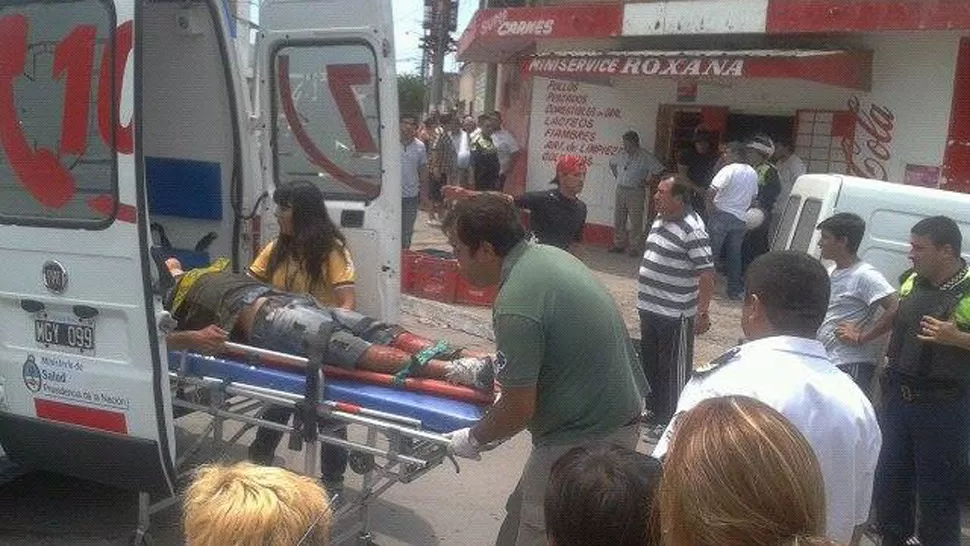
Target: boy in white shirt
(850,331)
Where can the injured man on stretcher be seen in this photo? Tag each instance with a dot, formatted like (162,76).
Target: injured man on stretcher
(213,304)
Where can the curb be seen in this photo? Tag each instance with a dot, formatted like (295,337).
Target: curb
(455,317)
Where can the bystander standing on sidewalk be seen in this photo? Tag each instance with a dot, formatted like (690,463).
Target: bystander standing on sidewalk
(485,165)
(790,167)
(557,216)
(414,177)
(442,165)
(698,163)
(733,189)
(760,149)
(634,168)
(676,285)
(859,291)
(506,146)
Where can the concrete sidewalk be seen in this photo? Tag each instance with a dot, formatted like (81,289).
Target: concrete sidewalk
(618,272)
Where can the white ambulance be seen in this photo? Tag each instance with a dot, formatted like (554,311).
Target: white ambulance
(128,124)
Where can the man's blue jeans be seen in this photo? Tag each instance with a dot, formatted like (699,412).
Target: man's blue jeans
(727,229)
(409,213)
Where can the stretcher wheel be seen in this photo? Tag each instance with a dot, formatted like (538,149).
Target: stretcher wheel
(360,463)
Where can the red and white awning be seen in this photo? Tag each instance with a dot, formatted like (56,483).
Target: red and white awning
(843,68)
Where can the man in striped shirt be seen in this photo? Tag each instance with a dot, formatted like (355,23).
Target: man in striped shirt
(676,284)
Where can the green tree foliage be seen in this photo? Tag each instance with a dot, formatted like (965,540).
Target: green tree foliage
(411,90)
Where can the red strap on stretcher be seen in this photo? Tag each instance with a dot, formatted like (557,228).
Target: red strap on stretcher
(415,384)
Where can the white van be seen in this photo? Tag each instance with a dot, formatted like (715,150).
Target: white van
(890,211)
(119,114)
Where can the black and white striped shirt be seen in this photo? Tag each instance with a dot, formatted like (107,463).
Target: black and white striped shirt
(676,252)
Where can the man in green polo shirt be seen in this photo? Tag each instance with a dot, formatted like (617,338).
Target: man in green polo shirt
(565,360)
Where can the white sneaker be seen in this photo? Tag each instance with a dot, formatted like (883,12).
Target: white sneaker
(475,372)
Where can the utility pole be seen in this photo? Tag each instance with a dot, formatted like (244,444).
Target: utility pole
(440,43)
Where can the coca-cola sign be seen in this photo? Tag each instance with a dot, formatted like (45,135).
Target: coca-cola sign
(868,148)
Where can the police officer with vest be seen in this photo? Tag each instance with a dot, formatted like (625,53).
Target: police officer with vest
(926,406)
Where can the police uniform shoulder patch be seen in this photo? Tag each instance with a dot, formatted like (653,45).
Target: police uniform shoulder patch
(717,362)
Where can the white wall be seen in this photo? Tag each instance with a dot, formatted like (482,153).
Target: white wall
(638,101)
(913,76)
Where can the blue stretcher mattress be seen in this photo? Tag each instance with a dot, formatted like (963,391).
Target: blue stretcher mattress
(437,414)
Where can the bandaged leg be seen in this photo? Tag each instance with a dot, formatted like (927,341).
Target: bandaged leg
(358,341)
(475,372)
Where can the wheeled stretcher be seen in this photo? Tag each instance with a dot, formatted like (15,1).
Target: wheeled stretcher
(403,429)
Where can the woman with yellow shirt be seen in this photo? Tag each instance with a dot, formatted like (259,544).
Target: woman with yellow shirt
(311,257)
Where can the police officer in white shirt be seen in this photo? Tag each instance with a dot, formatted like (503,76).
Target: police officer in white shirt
(785,367)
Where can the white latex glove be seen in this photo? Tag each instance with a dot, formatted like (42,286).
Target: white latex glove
(463,444)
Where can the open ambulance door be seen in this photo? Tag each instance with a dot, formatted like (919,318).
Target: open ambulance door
(83,390)
(328,114)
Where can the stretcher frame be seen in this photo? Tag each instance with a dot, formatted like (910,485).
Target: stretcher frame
(409,454)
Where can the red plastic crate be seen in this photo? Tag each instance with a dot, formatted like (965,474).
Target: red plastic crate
(409,263)
(435,278)
(473,295)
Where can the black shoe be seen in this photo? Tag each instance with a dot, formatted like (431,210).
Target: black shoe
(617,250)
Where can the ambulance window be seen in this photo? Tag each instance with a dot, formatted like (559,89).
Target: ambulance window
(57,153)
(327,120)
(787,220)
(806,225)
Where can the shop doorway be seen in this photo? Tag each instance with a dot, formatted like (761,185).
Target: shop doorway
(676,125)
(741,127)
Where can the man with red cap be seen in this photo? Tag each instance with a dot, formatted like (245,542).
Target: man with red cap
(558,215)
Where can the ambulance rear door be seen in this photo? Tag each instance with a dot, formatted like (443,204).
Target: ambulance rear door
(328,114)
(83,391)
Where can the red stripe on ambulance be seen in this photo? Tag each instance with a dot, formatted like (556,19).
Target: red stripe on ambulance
(110,421)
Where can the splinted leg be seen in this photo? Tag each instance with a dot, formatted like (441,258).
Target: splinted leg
(292,325)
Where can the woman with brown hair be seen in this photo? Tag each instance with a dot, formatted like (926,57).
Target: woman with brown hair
(739,474)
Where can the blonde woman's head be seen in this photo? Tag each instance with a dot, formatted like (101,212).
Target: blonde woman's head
(249,505)
(739,474)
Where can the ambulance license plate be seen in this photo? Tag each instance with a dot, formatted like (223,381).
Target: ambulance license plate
(73,335)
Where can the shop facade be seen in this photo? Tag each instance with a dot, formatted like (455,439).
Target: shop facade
(873,89)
